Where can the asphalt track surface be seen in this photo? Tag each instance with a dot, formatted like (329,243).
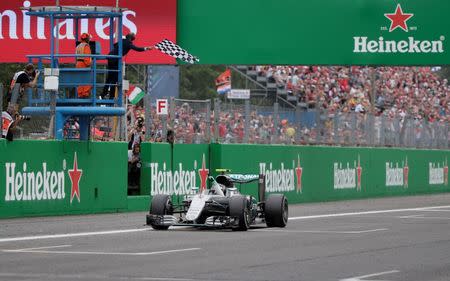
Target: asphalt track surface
(402,238)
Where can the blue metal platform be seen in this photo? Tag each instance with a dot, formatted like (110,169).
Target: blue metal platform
(67,104)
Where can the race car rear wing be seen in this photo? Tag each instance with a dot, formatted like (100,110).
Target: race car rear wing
(239,178)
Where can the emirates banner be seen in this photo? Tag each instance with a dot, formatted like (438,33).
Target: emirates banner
(22,35)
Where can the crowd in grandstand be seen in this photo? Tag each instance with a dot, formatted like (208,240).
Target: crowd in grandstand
(400,92)
(417,92)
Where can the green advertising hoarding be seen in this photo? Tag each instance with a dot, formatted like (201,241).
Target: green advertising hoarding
(314,173)
(321,32)
(66,177)
(55,178)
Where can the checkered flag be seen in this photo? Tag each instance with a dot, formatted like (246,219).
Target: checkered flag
(168,47)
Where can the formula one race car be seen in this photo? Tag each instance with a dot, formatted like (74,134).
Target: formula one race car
(221,206)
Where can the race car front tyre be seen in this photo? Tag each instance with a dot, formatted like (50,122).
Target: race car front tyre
(276,210)
(161,205)
(240,210)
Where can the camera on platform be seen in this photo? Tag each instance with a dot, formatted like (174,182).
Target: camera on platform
(25,117)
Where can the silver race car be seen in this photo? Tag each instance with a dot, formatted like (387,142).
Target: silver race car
(221,206)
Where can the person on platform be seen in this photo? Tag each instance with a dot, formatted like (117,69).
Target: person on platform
(27,78)
(10,119)
(84,62)
(113,63)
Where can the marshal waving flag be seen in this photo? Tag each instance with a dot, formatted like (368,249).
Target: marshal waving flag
(223,82)
(135,94)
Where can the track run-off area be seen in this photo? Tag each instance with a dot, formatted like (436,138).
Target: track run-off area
(400,238)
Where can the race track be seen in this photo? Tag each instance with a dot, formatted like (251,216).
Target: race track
(396,239)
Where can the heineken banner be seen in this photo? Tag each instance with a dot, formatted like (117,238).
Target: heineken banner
(313,173)
(346,32)
(177,171)
(54,178)
(303,173)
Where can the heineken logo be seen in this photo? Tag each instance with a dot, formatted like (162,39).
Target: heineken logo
(398,20)
(347,176)
(397,175)
(24,184)
(179,181)
(364,45)
(438,173)
(75,176)
(203,173)
(281,179)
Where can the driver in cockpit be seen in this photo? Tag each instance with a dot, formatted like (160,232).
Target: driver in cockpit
(225,182)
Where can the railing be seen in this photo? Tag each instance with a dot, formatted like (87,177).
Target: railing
(66,96)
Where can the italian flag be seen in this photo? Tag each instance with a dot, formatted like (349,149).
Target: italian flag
(135,94)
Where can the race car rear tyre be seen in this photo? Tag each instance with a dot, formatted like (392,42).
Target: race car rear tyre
(161,205)
(276,210)
(239,209)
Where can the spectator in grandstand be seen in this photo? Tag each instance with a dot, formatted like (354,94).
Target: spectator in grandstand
(170,136)
(136,136)
(26,78)
(113,63)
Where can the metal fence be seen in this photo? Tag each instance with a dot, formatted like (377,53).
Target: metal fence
(242,122)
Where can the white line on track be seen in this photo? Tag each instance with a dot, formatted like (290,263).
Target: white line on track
(100,253)
(38,248)
(425,218)
(410,217)
(323,231)
(66,235)
(442,210)
(108,232)
(360,278)
(45,276)
(367,213)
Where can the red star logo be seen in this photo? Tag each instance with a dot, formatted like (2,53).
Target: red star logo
(203,172)
(398,19)
(75,175)
(298,173)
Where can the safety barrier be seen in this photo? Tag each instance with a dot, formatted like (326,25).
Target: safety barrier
(303,173)
(57,178)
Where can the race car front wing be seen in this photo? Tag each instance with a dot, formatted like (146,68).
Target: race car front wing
(169,220)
